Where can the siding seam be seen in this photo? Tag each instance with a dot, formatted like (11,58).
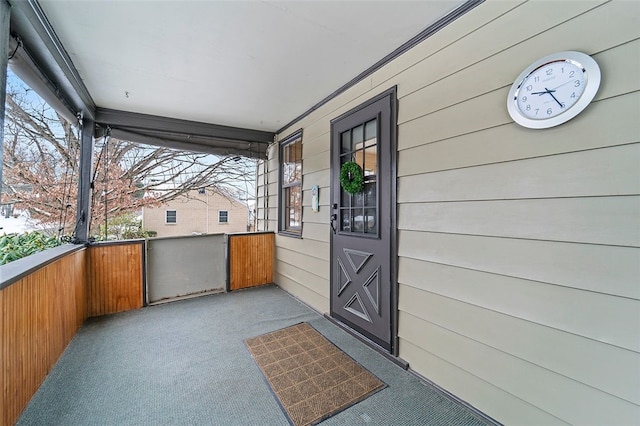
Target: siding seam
(297,266)
(511,276)
(479,378)
(516,317)
(517,238)
(514,160)
(514,356)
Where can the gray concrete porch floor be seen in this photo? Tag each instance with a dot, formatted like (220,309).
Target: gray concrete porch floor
(185,363)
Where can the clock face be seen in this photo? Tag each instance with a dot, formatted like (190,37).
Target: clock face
(553,90)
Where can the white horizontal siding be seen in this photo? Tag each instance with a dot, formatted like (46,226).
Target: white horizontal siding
(313,265)
(303,278)
(316,231)
(605,368)
(595,220)
(560,396)
(525,22)
(309,297)
(598,268)
(316,163)
(611,122)
(437,95)
(611,171)
(519,261)
(318,249)
(469,387)
(584,313)
(519,266)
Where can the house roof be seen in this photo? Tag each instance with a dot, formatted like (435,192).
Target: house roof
(238,71)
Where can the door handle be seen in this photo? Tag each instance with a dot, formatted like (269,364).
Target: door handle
(334,217)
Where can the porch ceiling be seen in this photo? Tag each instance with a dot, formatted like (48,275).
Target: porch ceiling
(248,64)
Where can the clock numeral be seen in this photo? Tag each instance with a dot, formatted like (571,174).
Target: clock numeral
(529,88)
(524,99)
(576,83)
(573,95)
(550,71)
(571,74)
(537,111)
(549,111)
(536,79)
(528,108)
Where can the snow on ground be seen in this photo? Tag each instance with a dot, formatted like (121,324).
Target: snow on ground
(17,225)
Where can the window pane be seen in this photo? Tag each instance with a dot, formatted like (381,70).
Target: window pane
(370,163)
(345,198)
(358,157)
(297,172)
(292,162)
(358,200)
(358,136)
(358,221)
(346,141)
(291,184)
(370,221)
(171,216)
(223,216)
(298,148)
(345,220)
(358,212)
(295,196)
(370,189)
(293,207)
(370,132)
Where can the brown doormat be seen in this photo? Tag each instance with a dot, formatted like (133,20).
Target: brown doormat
(309,375)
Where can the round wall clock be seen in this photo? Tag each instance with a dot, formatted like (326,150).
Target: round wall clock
(553,90)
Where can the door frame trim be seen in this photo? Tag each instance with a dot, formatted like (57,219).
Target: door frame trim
(392,93)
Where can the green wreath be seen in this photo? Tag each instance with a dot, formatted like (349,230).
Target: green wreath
(351,177)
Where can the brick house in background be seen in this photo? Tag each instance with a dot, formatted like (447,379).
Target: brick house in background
(200,212)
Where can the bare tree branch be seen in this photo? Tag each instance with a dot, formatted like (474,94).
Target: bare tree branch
(41,158)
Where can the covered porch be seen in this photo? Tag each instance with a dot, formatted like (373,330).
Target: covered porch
(185,362)
(510,274)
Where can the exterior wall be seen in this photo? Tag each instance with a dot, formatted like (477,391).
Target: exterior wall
(267,190)
(191,215)
(518,249)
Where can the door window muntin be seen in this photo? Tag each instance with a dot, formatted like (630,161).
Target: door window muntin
(358,213)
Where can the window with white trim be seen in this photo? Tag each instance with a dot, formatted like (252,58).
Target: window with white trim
(291,185)
(223,216)
(171,217)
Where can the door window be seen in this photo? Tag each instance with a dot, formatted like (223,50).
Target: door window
(359,212)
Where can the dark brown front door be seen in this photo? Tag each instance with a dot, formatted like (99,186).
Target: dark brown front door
(363,223)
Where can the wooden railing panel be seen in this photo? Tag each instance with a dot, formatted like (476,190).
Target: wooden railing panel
(250,259)
(115,278)
(39,315)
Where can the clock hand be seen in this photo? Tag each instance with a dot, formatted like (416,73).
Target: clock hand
(542,93)
(554,98)
(549,92)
